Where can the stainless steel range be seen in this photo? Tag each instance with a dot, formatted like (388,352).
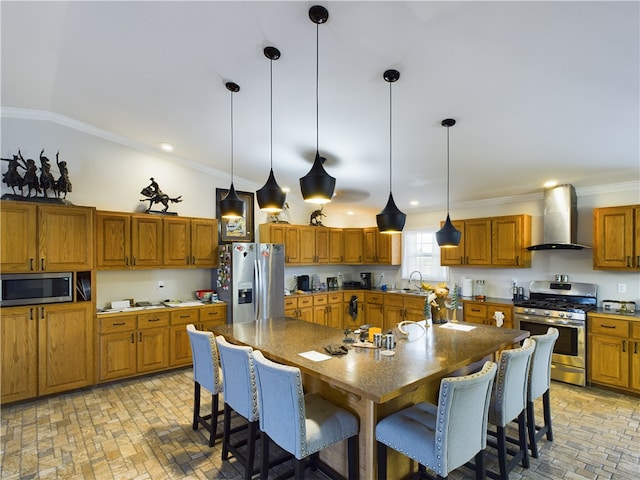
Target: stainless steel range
(563,305)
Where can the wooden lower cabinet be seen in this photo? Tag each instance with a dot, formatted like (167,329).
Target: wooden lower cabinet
(19,354)
(300,307)
(347,318)
(374,309)
(483,313)
(614,352)
(134,343)
(400,308)
(46,349)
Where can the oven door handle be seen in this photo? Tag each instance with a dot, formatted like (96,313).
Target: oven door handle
(551,321)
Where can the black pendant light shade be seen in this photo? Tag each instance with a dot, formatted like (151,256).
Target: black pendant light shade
(231,206)
(317,186)
(448,236)
(390,219)
(270,197)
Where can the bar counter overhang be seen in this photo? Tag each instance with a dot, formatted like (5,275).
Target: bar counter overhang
(367,383)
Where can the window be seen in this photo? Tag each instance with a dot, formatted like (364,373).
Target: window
(421,252)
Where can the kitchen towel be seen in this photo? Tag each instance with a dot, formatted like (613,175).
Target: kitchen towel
(353,307)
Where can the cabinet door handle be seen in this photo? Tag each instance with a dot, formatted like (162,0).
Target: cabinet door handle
(638,261)
(31,264)
(41,312)
(466,261)
(31,314)
(126,260)
(624,346)
(133,339)
(140,336)
(517,259)
(628,261)
(193,260)
(42,264)
(133,258)
(635,347)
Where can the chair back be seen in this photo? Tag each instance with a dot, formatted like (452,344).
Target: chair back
(509,397)
(281,403)
(206,362)
(461,419)
(239,378)
(540,371)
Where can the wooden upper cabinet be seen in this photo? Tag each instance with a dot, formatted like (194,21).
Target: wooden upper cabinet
(353,245)
(489,242)
(46,237)
(369,245)
(190,242)
(510,236)
(616,237)
(322,244)
(388,248)
(307,244)
(288,235)
(336,246)
(128,241)
(19,247)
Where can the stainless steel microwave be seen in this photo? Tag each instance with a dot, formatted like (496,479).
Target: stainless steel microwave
(35,288)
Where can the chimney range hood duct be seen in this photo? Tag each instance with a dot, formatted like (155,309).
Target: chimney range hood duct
(560,221)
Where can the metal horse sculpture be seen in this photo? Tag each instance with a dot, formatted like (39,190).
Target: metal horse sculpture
(158,197)
(316,218)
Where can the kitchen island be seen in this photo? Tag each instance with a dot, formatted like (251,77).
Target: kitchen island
(364,381)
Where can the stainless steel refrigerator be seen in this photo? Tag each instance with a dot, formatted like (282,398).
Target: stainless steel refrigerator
(251,280)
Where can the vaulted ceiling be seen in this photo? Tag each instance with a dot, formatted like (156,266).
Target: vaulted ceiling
(540,90)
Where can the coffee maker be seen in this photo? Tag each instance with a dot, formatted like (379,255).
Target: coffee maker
(365,279)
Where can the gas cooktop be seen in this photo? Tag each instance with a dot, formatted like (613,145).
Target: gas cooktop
(560,296)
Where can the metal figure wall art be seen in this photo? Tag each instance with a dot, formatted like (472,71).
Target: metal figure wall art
(37,186)
(316,218)
(155,195)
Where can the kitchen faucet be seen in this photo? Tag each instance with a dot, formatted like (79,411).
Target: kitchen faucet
(411,276)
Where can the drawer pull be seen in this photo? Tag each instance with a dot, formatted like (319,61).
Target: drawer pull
(185,316)
(608,326)
(475,310)
(118,324)
(154,320)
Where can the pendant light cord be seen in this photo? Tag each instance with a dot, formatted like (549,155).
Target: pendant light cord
(317,81)
(232,138)
(271,112)
(448,180)
(390,144)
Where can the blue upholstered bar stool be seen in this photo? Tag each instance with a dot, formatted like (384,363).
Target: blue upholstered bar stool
(508,403)
(445,436)
(241,396)
(539,384)
(300,424)
(207,375)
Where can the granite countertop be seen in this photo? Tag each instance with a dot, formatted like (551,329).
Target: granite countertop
(365,371)
(623,316)
(168,306)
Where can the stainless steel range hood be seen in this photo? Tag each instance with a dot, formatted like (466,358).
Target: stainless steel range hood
(560,222)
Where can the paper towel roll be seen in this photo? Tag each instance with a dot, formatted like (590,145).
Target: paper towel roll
(467,287)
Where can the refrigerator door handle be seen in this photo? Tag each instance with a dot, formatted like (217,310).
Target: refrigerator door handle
(257,290)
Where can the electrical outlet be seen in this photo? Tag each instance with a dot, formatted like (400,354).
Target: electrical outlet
(382,275)
(622,288)
(160,285)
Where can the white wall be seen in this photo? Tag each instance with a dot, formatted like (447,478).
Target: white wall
(109,171)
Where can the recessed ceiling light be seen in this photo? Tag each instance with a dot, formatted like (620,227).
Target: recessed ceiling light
(350,212)
(413,203)
(550,183)
(286,189)
(167,147)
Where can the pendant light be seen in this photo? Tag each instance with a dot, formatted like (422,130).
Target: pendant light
(231,206)
(317,186)
(391,219)
(270,197)
(448,236)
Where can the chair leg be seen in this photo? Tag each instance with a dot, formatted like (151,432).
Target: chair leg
(501,437)
(546,405)
(480,468)
(213,426)
(531,427)
(299,468)
(352,458)
(522,439)
(264,468)
(251,450)
(382,461)
(196,404)
(226,435)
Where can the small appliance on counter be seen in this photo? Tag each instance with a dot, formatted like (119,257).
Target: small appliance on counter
(332,283)
(303,283)
(619,306)
(365,279)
